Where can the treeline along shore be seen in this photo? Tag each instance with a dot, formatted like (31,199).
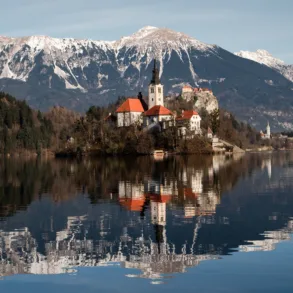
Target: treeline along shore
(62,132)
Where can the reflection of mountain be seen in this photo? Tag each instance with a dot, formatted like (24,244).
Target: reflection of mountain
(158,217)
(19,253)
(272,238)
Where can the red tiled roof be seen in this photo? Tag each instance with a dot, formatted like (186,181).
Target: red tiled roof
(130,105)
(187,115)
(189,193)
(158,110)
(134,205)
(206,90)
(162,198)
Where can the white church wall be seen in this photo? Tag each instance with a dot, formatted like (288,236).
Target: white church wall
(128,118)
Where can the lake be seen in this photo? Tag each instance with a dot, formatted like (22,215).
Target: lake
(192,224)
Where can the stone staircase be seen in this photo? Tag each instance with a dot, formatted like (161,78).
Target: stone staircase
(222,146)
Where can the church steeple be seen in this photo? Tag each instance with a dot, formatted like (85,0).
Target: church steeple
(155,78)
(268,130)
(156,89)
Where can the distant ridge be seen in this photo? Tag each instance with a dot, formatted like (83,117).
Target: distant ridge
(79,73)
(264,57)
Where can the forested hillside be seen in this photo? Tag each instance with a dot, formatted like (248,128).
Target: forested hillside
(22,128)
(63,131)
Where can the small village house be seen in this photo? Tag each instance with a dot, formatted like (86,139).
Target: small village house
(129,113)
(158,116)
(188,123)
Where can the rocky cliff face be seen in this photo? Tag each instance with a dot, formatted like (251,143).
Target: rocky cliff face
(206,100)
(80,73)
(203,99)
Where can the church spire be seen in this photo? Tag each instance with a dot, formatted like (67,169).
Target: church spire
(156,78)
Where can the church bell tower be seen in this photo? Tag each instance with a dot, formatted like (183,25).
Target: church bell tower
(156,90)
(268,134)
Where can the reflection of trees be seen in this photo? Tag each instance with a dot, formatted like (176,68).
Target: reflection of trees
(72,234)
(22,182)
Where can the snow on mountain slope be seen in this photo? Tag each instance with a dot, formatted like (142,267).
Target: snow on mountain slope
(20,56)
(17,59)
(261,56)
(264,57)
(153,39)
(152,42)
(79,73)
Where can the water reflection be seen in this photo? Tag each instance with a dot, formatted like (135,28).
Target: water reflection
(160,218)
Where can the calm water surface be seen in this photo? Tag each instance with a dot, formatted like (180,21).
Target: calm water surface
(192,224)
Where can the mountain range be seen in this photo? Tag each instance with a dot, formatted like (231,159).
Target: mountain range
(76,74)
(265,58)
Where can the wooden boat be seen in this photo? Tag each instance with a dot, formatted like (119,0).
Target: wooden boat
(158,154)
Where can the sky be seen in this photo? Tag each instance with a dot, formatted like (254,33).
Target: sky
(232,24)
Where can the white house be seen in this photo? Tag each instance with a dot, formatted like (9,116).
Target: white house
(188,121)
(130,112)
(210,133)
(157,114)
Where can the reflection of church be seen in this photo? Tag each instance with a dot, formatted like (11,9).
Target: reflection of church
(159,225)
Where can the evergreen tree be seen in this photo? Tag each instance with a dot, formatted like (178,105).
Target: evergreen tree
(215,121)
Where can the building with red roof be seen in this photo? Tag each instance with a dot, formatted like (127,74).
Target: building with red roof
(158,111)
(130,112)
(132,204)
(188,121)
(210,133)
(187,89)
(158,116)
(200,90)
(131,195)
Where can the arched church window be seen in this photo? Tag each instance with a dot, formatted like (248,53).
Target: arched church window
(159,90)
(152,90)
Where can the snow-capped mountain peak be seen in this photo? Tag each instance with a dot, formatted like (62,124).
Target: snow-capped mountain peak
(261,56)
(144,31)
(42,69)
(152,42)
(160,38)
(265,58)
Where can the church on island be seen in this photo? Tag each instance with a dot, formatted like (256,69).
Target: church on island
(267,134)
(152,115)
